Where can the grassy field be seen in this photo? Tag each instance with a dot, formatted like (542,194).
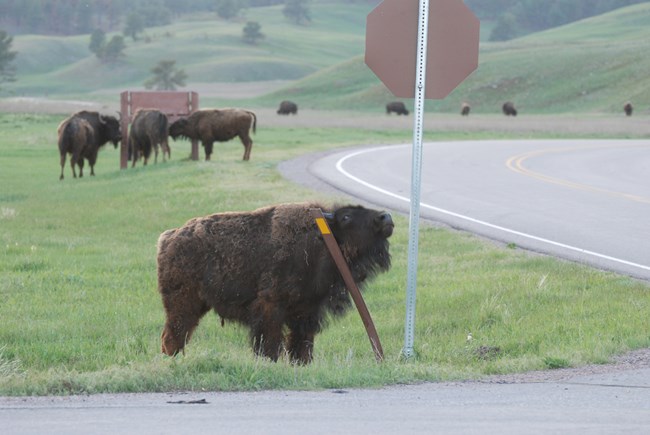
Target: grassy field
(591,66)
(81,314)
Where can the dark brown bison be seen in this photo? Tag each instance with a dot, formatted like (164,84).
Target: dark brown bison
(464,109)
(268,269)
(105,129)
(76,137)
(148,132)
(287,108)
(397,107)
(216,125)
(627,108)
(508,109)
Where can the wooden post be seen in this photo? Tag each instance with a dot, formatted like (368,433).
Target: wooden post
(343,268)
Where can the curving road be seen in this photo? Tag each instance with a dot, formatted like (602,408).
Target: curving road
(583,200)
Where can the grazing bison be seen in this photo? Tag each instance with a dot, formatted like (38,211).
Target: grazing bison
(104,129)
(627,108)
(397,107)
(148,132)
(464,109)
(268,269)
(216,125)
(76,137)
(288,108)
(508,109)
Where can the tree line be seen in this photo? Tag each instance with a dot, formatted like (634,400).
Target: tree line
(73,17)
(519,17)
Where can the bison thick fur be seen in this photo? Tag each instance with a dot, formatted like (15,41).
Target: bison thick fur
(216,125)
(105,129)
(397,107)
(628,109)
(148,132)
(465,109)
(508,109)
(76,137)
(287,108)
(268,269)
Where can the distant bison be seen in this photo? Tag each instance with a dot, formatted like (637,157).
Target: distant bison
(508,109)
(216,125)
(268,269)
(288,108)
(397,107)
(105,129)
(464,109)
(76,137)
(627,108)
(148,132)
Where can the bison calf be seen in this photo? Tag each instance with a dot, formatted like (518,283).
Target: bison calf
(268,269)
(465,109)
(397,107)
(216,125)
(287,108)
(627,108)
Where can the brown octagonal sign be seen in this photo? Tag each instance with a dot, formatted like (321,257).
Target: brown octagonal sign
(452,45)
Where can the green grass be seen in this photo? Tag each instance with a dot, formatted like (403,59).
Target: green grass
(81,314)
(591,66)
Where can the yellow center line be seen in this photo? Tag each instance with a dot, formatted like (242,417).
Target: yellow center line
(516,164)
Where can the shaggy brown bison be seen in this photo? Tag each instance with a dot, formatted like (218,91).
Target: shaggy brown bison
(76,137)
(627,108)
(287,108)
(397,107)
(104,129)
(148,132)
(464,109)
(268,269)
(508,109)
(216,125)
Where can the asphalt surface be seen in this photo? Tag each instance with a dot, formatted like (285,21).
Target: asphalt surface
(598,404)
(583,200)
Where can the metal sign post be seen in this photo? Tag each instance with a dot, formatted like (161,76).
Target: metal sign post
(416,178)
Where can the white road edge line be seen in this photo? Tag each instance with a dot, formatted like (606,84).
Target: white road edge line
(339,167)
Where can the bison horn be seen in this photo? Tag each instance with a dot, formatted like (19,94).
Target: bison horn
(329,216)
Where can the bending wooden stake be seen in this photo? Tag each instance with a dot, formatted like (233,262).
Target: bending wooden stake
(342,265)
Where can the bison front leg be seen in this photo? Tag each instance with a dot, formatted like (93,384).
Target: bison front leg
(63,156)
(208,149)
(266,329)
(300,343)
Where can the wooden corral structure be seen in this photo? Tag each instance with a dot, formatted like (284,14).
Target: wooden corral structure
(174,104)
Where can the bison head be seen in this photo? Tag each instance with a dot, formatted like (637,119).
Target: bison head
(363,233)
(111,126)
(178,128)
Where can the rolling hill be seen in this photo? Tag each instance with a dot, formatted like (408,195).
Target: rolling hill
(593,65)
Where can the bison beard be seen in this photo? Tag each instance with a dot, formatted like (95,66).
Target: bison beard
(267,269)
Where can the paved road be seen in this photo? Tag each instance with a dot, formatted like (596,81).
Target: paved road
(584,200)
(598,404)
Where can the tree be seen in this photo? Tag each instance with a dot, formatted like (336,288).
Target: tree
(228,9)
(114,50)
(252,34)
(97,43)
(297,11)
(134,25)
(166,77)
(7,70)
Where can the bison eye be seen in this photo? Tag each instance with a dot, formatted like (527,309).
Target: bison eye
(345,218)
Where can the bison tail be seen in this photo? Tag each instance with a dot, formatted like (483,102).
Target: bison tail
(254,125)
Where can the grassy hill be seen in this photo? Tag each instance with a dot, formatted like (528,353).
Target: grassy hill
(594,65)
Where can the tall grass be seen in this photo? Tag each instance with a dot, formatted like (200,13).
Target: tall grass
(81,314)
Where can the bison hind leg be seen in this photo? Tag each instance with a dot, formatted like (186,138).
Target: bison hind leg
(300,343)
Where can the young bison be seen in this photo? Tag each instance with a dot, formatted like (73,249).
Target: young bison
(268,269)
(628,109)
(465,109)
(77,138)
(216,125)
(508,109)
(287,108)
(148,133)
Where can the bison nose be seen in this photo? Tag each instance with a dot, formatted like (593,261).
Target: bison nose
(385,221)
